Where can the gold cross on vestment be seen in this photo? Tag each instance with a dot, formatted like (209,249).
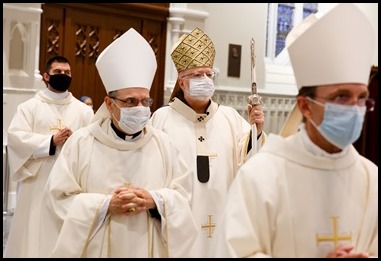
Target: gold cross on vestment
(209,226)
(57,127)
(335,237)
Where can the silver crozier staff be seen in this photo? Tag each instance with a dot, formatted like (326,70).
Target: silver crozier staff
(254,98)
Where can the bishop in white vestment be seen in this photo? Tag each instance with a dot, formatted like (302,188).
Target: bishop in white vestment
(214,142)
(101,158)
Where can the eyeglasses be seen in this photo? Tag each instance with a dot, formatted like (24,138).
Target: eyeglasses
(198,75)
(369,103)
(132,102)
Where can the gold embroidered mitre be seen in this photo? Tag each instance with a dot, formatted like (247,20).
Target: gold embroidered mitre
(193,50)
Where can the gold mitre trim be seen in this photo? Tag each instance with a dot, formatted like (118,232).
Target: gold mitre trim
(193,50)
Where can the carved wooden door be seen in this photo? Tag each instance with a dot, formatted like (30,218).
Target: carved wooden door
(81,31)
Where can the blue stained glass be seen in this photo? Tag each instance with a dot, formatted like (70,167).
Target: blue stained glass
(284,25)
(285,21)
(306,13)
(309,8)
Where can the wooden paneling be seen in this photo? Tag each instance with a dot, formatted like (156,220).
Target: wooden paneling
(52,31)
(84,30)
(156,37)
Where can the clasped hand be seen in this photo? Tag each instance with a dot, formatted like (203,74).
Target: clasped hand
(130,200)
(61,136)
(346,251)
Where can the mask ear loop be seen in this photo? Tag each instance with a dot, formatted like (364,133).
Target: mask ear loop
(315,101)
(318,103)
(112,114)
(115,103)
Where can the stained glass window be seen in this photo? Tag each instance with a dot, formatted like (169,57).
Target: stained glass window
(284,24)
(309,8)
(282,17)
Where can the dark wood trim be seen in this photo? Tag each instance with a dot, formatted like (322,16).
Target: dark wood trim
(158,12)
(81,31)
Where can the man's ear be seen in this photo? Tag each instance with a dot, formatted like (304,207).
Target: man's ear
(108,102)
(181,82)
(46,76)
(304,106)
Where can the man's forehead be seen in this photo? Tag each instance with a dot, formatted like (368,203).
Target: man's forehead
(133,90)
(58,65)
(344,87)
(197,69)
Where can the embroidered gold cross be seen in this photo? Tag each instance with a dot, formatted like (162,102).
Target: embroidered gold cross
(209,226)
(335,237)
(58,126)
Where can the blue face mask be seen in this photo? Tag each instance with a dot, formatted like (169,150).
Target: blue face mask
(342,124)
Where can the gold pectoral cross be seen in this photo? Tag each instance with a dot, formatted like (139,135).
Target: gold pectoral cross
(57,127)
(335,237)
(209,226)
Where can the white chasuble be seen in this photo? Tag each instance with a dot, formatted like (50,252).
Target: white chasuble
(33,126)
(288,202)
(91,166)
(213,144)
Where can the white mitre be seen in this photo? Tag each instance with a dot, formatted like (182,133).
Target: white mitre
(334,49)
(128,62)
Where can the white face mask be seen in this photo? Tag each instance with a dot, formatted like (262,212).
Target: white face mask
(201,88)
(133,119)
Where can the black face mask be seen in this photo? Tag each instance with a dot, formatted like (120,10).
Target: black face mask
(60,82)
